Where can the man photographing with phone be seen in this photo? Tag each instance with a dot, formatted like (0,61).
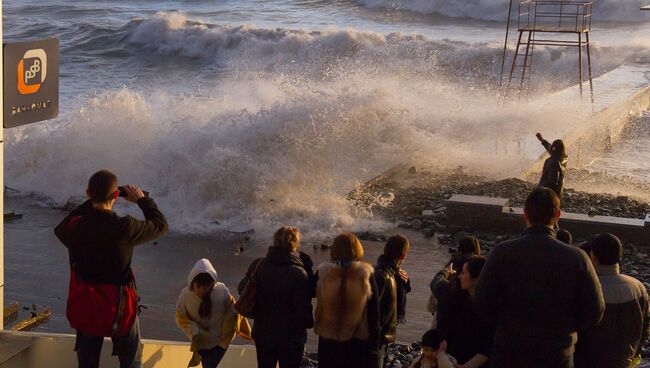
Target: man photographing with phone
(102,298)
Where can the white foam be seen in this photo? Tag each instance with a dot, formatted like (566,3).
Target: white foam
(268,152)
(329,53)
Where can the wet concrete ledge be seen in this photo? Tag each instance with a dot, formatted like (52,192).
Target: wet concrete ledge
(496,215)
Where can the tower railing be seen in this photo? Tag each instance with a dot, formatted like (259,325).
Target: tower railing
(555,16)
(551,17)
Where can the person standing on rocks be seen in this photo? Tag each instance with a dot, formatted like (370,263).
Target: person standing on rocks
(618,339)
(283,310)
(538,292)
(347,310)
(102,298)
(469,339)
(554,166)
(393,284)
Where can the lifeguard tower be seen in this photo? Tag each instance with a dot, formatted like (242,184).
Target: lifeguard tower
(549,23)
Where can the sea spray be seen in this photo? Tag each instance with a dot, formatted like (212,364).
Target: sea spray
(266,152)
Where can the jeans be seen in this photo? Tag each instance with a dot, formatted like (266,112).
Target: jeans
(211,358)
(127,348)
(287,356)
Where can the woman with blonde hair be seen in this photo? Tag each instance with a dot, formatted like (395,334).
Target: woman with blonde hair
(282,308)
(347,310)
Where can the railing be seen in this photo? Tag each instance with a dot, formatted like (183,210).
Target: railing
(554,16)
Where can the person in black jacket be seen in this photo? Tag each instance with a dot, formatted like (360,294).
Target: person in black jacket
(469,339)
(283,310)
(393,284)
(538,292)
(100,245)
(554,166)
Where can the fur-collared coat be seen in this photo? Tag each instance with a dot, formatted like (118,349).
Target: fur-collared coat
(342,294)
(347,316)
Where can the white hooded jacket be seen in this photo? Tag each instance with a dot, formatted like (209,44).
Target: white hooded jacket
(211,330)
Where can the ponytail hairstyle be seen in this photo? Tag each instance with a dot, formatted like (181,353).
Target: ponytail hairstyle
(287,237)
(204,279)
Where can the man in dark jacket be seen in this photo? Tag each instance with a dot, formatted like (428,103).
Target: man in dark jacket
(392,284)
(538,292)
(619,337)
(100,245)
(283,310)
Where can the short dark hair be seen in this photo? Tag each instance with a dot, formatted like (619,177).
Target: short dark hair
(101,186)
(396,247)
(433,338)
(607,248)
(564,236)
(541,206)
(475,265)
(469,244)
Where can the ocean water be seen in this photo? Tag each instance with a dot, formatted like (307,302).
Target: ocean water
(258,113)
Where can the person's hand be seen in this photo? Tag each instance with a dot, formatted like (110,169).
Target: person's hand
(539,136)
(450,270)
(403,275)
(133,193)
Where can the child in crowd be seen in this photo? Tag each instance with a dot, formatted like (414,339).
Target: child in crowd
(206,313)
(433,355)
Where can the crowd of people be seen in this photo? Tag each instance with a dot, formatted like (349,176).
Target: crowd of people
(536,301)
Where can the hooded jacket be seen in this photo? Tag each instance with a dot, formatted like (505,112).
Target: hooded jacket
(283,310)
(222,324)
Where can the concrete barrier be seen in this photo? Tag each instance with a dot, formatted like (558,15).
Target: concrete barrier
(495,215)
(36,350)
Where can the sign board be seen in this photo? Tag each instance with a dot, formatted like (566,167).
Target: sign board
(31,82)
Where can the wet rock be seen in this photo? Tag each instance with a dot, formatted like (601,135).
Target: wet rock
(427,213)
(404,224)
(416,225)
(429,232)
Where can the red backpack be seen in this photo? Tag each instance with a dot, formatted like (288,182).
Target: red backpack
(100,309)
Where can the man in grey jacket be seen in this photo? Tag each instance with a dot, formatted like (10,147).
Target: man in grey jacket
(618,339)
(538,292)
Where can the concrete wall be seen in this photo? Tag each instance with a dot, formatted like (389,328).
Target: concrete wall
(35,350)
(494,215)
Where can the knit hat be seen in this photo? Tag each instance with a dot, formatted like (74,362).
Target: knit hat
(433,338)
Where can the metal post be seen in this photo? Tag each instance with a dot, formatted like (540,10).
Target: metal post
(514,59)
(523,70)
(580,60)
(2,256)
(505,45)
(591,82)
